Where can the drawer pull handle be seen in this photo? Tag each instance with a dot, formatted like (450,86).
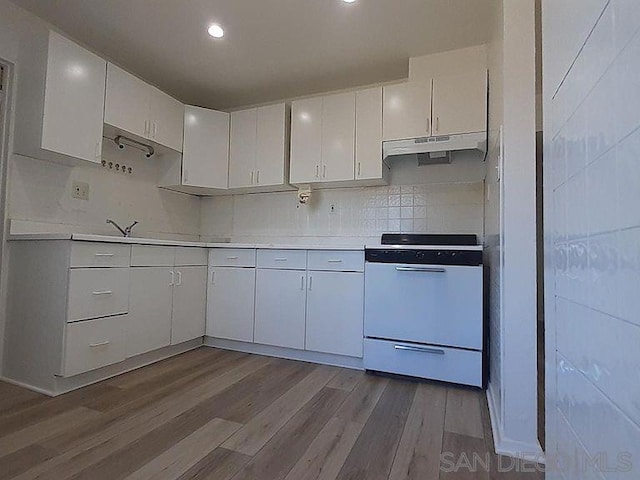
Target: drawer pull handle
(408,348)
(99,344)
(104,254)
(280,259)
(103,292)
(334,261)
(421,269)
(232,258)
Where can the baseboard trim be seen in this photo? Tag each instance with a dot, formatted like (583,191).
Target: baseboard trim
(511,448)
(288,353)
(33,388)
(64,385)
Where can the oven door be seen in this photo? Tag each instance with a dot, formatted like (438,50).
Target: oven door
(431,304)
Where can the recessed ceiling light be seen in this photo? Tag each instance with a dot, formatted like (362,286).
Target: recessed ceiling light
(215,31)
(349,1)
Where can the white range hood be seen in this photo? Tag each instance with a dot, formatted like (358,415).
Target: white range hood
(435,149)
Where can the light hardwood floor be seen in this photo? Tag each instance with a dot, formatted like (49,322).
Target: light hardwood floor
(214,414)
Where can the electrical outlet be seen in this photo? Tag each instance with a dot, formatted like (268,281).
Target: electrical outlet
(333,208)
(80,190)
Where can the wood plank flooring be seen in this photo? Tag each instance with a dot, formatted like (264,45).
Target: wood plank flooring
(219,415)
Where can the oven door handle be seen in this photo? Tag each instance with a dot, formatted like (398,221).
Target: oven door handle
(421,269)
(411,348)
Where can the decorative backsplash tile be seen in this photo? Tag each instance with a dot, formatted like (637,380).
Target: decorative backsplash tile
(359,212)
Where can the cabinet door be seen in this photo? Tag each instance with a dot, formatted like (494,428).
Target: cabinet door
(271,145)
(167,120)
(406,111)
(338,136)
(230,303)
(280,308)
(127,102)
(460,103)
(242,149)
(149,320)
(335,302)
(189,304)
(369,133)
(205,157)
(306,140)
(74,100)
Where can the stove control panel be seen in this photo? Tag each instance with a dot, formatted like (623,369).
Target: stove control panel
(424,257)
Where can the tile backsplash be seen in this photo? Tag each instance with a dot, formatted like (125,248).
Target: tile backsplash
(352,214)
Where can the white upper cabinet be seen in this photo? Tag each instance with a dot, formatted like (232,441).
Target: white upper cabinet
(205,159)
(338,137)
(60,100)
(258,147)
(369,134)
(306,140)
(242,148)
(138,108)
(446,105)
(407,111)
(271,145)
(460,103)
(127,102)
(166,117)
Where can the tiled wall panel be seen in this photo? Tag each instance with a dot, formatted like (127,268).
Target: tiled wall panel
(594,159)
(359,213)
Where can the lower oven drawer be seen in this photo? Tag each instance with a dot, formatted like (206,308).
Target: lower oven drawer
(435,363)
(94,344)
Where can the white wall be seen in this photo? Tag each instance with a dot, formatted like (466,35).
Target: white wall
(592,234)
(510,220)
(40,198)
(492,221)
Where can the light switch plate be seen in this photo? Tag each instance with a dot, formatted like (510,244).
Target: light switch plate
(80,190)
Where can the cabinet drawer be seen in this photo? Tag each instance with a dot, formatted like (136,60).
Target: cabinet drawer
(232,257)
(283,259)
(94,344)
(95,254)
(336,260)
(191,256)
(435,363)
(152,256)
(97,292)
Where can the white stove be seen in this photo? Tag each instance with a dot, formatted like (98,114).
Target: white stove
(424,308)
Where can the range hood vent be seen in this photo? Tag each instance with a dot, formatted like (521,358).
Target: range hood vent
(435,150)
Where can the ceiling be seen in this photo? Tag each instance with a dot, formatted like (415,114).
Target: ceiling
(272,49)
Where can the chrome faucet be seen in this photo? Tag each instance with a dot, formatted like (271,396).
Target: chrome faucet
(126,232)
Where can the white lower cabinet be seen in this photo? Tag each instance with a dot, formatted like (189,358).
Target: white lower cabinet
(306,300)
(280,308)
(230,303)
(167,301)
(189,304)
(149,322)
(335,303)
(93,344)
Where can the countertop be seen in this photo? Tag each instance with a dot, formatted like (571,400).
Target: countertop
(180,243)
(174,243)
